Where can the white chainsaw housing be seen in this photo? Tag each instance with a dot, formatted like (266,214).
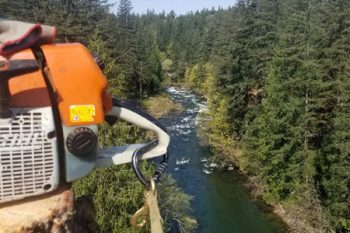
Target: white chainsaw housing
(28,154)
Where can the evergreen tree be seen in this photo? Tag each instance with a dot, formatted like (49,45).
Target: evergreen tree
(334,157)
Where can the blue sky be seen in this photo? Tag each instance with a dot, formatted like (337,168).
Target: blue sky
(179,6)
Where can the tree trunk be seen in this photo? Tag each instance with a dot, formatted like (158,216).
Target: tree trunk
(52,213)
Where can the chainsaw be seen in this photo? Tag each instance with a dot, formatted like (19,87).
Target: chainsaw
(53,97)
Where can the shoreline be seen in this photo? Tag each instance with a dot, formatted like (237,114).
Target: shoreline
(292,217)
(161,105)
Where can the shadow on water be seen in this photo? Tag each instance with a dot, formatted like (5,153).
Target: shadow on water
(221,203)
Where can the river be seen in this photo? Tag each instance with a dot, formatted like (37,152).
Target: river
(221,203)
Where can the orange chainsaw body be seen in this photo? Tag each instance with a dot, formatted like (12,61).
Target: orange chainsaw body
(79,85)
(51,104)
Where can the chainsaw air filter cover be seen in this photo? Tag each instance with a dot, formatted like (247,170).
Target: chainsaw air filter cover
(28,154)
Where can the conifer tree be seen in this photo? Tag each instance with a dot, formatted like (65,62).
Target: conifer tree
(335,154)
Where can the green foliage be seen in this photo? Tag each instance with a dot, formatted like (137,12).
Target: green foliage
(200,77)
(276,76)
(98,46)
(69,17)
(116,194)
(219,127)
(335,159)
(175,207)
(167,65)
(194,76)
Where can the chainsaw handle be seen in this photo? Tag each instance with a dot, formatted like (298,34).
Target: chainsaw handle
(131,106)
(128,111)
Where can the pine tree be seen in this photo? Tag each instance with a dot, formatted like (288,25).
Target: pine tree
(334,157)
(286,133)
(125,51)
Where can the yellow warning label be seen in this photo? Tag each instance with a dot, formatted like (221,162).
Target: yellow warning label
(82,113)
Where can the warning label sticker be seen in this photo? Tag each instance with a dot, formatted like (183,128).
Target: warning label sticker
(82,113)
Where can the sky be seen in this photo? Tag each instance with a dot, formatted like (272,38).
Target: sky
(179,6)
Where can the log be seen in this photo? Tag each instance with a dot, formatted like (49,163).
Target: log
(53,212)
(47,213)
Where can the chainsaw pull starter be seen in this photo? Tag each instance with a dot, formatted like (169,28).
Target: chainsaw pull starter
(150,208)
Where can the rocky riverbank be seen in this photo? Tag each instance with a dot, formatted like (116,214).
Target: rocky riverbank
(161,105)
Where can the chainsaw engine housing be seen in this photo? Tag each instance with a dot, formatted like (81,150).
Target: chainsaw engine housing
(52,100)
(28,153)
(51,135)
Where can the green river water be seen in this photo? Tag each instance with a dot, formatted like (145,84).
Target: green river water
(221,203)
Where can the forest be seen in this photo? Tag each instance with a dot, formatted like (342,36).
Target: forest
(276,77)
(275,74)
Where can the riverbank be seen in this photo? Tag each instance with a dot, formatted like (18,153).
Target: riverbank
(221,202)
(302,216)
(161,105)
(295,217)
(298,218)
